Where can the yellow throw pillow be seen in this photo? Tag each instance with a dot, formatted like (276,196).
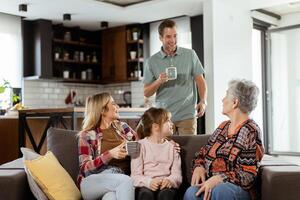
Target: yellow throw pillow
(52,178)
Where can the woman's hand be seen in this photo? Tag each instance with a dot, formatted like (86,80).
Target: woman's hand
(155,184)
(176,146)
(198,176)
(118,152)
(208,185)
(166,183)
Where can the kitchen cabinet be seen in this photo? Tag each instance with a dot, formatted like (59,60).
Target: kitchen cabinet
(76,53)
(135,58)
(64,53)
(114,55)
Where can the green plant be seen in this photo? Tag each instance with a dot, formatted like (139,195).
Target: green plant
(5,85)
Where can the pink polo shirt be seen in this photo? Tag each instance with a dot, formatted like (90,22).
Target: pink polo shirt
(156,160)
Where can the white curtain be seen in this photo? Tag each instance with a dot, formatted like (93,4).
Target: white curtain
(10,50)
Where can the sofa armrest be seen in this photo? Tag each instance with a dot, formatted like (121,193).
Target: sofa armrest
(280,182)
(13,181)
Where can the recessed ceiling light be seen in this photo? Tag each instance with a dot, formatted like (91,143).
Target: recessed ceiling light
(23,7)
(67,17)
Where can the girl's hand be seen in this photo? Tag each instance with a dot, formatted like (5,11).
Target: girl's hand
(118,152)
(155,184)
(176,146)
(198,176)
(166,183)
(208,185)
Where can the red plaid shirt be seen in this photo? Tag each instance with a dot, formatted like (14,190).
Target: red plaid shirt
(91,159)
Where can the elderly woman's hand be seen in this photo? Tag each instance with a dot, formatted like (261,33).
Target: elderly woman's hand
(208,185)
(198,175)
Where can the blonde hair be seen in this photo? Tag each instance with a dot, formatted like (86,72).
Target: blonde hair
(94,107)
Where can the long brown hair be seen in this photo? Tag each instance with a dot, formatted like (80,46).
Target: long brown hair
(151,116)
(94,107)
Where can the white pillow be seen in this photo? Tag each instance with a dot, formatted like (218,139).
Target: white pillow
(29,154)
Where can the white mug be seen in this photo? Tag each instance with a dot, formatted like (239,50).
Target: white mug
(171,73)
(66,74)
(133,54)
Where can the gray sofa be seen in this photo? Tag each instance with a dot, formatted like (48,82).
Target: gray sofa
(277,179)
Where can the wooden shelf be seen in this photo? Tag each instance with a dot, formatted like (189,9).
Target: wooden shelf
(134,78)
(135,41)
(75,43)
(75,80)
(136,60)
(75,62)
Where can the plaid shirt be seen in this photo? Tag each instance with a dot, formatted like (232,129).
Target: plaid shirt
(235,158)
(91,159)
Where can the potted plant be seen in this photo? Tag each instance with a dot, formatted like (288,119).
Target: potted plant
(14,98)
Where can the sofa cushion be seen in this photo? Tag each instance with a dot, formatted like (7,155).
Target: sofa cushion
(63,144)
(52,177)
(29,154)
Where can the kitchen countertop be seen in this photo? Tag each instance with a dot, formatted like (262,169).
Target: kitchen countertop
(125,113)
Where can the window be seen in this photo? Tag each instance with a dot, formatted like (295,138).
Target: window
(10,50)
(10,56)
(284,79)
(259,75)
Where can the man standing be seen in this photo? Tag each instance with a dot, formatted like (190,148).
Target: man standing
(174,74)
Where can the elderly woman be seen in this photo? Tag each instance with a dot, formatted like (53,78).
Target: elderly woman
(102,157)
(226,168)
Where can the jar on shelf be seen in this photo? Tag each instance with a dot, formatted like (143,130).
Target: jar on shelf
(76,56)
(94,58)
(89,74)
(81,56)
(67,36)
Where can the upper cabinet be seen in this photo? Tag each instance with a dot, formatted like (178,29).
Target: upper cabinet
(76,53)
(114,55)
(135,57)
(55,51)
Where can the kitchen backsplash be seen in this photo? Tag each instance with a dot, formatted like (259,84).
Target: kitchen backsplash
(43,93)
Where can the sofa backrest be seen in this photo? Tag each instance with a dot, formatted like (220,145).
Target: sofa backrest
(189,144)
(63,144)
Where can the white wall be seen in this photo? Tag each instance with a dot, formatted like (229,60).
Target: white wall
(227,48)
(227,38)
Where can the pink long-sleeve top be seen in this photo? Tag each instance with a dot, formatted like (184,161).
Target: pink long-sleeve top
(156,160)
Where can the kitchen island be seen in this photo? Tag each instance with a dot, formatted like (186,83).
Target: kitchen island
(38,120)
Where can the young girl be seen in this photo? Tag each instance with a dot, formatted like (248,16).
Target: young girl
(103,159)
(156,173)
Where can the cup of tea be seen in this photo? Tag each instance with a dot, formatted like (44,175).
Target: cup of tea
(171,73)
(132,148)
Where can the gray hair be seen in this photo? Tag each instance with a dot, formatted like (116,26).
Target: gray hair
(246,92)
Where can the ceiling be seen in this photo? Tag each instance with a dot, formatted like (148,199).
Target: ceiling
(285,9)
(89,13)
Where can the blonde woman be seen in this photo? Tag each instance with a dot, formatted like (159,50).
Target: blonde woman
(102,157)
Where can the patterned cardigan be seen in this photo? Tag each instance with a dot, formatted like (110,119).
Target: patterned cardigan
(235,158)
(91,159)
